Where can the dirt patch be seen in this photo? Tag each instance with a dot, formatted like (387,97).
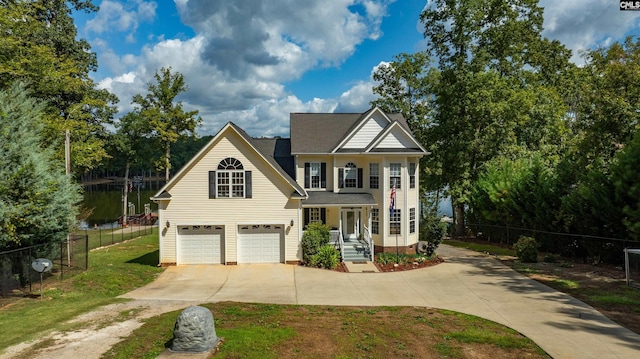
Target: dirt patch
(101,329)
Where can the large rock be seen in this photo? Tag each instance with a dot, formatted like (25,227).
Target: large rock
(194,331)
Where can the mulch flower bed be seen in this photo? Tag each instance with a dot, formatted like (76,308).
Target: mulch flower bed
(393,267)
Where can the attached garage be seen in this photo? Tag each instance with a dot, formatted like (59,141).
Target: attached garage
(260,243)
(200,244)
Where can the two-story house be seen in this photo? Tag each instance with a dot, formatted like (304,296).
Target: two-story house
(247,200)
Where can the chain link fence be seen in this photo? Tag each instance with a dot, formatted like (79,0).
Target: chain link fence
(18,278)
(588,248)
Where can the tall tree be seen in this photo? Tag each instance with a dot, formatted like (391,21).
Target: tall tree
(608,111)
(166,118)
(129,141)
(38,44)
(496,79)
(38,201)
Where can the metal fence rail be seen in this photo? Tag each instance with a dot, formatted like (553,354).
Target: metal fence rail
(68,257)
(587,247)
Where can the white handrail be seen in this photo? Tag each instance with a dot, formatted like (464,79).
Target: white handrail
(367,237)
(341,245)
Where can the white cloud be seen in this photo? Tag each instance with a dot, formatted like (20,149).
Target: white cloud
(587,24)
(116,16)
(242,54)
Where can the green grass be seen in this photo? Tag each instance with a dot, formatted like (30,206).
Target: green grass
(564,284)
(106,237)
(624,296)
(273,331)
(481,247)
(111,272)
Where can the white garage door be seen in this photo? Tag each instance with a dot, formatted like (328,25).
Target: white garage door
(260,243)
(200,244)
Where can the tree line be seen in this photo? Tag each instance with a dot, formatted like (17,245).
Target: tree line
(45,92)
(519,135)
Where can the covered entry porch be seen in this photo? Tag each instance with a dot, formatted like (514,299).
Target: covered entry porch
(348,215)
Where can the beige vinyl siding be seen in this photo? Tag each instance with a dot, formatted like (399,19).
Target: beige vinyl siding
(190,203)
(396,139)
(367,132)
(302,159)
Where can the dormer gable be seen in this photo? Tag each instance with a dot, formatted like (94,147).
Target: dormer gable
(366,130)
(395,138)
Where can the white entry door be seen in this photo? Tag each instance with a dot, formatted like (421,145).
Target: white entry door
(260,243)
(350,224)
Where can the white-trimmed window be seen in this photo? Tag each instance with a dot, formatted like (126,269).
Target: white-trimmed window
(315,174)
(412,175)
(375,221)
(395,222)
(314,215)
(350,176)
(395,174)
(230,178)
(412,220)
(374,175)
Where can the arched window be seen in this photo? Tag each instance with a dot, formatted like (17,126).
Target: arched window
(350,175)
(230,179)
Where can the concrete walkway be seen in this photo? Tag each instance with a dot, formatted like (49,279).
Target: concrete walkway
(467,282)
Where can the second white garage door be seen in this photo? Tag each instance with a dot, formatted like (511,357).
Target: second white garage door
(260,243)
(200,244)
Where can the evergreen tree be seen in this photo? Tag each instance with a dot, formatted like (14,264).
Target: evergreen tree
(38,202)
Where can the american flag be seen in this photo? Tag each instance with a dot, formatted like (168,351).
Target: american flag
(392,206)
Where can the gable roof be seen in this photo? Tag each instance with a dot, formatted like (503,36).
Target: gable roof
(393,130)
(270,150)
(322,133)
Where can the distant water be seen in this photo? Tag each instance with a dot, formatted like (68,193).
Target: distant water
(106,204)
(444,207)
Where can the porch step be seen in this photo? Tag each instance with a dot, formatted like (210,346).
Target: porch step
(355,251)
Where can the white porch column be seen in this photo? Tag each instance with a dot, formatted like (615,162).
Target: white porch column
(405,216)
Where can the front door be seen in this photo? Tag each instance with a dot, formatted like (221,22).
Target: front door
(350,224)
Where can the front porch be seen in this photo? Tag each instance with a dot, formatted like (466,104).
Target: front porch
(349,217)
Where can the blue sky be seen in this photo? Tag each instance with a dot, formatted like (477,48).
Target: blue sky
(254,62)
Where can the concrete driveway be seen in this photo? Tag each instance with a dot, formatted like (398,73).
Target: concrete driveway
(467,282)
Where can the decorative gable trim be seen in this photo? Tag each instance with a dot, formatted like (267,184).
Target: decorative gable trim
(205,149)
(407,141)
(360,124)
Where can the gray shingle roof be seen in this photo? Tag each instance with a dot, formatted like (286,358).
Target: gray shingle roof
(322,132)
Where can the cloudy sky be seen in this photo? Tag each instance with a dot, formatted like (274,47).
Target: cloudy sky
(253,62)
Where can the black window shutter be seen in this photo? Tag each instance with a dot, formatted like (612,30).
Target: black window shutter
(306,217)
(307,170)
(360,178)
(248,193)
(323,215)
(340,178)
(212,184)
(323,175)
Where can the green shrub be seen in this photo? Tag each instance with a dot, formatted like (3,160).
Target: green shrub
(550,258)
(316,236)
(526,249)
(327,257)
(432,228)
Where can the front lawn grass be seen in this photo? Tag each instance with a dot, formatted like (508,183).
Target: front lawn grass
(294,331)
(112,271)
(482,247)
